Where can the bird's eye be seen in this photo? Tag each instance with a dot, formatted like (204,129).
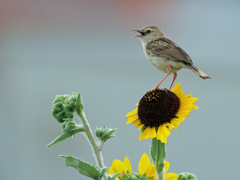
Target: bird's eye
(148,31)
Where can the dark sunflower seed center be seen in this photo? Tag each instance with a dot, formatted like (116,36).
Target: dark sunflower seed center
(157,107)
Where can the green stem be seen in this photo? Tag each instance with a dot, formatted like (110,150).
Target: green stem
(96,148)
(160,175)
(158,154)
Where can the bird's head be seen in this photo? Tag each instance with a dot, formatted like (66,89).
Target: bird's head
(149,33)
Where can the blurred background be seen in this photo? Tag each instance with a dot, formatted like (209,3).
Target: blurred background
(52,47)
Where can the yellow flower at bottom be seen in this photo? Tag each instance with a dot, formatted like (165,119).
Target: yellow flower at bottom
(120,167)
(144,167)
(159,111)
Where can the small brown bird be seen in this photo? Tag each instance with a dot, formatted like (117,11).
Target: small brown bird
(164,54)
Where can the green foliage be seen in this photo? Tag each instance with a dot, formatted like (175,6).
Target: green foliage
(158,154)
(114,177)
(104,133)
(135,176)
(69,128)
(79,104)
(144,177)
(63,106)
(58,108)
(85,168)
(187,176)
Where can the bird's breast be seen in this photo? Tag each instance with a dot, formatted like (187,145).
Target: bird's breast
(159,62)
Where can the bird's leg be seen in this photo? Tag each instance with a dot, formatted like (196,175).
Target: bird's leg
(174,77)
(169,72)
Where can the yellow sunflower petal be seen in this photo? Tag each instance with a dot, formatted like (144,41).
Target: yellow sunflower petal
(176,122)
(188,101)
(166,131)
(166,166)
(110,170)
(185,110)
(153,133)
(145,134)
(186,107)
(150,172)
(132,118)
(136,122)
(171,176)
(143,164)
(177,89)
(182,114)
(140,126)
(134,112)
(170,125)
(182,95)
(119,166)
(127,164)
(162,133)
(195,107)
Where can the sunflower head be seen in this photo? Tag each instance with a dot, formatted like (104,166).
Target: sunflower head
(158,106)
(160,110)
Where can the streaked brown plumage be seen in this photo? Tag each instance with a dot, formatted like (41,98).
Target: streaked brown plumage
(164,54)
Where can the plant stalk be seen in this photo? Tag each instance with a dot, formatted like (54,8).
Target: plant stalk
(160,175)
(95,147)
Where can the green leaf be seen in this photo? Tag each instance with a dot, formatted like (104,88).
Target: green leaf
(84,168)
(144,177)
(79,103)
(113,177)
(58,139)
(102,172)
(158,154)
(69,129)
(110,133)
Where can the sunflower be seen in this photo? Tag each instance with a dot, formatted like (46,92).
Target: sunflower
(144,167)
(161,110)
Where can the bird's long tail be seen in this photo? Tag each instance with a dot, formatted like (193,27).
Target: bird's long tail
(198,72)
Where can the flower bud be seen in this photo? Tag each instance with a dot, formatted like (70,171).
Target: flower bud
(58,108)
(70,104)
(74,103)
(187,176)
(135,176)
(104,133)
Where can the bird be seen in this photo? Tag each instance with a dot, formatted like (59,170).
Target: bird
(165,54)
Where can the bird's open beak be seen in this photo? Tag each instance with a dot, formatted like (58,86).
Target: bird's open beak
(140,35)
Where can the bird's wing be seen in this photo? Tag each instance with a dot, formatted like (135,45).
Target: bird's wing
(164,47)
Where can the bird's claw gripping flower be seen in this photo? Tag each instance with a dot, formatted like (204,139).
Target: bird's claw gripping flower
(160,110)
